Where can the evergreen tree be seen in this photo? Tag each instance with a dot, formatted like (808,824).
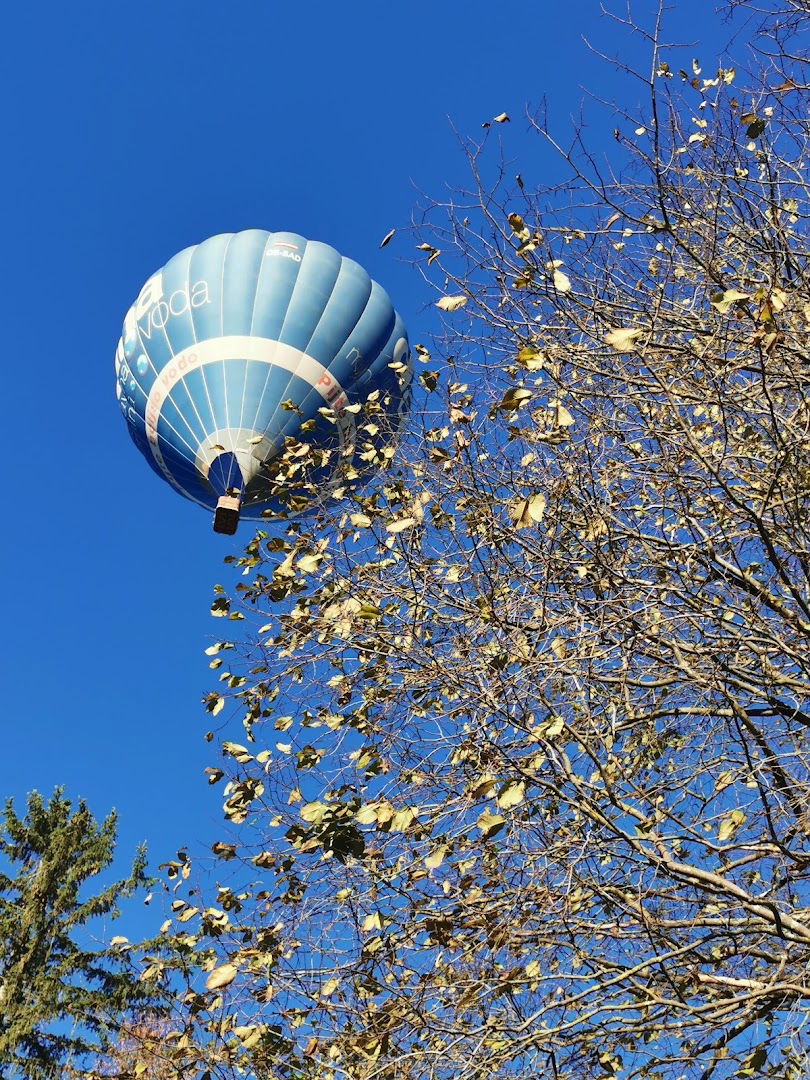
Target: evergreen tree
(61,1000)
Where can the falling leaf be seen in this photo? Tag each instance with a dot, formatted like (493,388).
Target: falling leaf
(451,303)
(387,238)
(221,976)
(622,338)
(501,118)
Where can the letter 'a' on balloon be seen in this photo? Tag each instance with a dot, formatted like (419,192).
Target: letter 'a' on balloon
(262,374)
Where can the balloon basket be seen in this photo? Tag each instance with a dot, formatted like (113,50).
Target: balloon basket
(226,515)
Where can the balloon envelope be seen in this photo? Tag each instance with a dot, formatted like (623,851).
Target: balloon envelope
(242,364)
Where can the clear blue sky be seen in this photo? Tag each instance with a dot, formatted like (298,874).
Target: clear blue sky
(132,131)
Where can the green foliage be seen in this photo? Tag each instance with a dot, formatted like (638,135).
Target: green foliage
(61,1000)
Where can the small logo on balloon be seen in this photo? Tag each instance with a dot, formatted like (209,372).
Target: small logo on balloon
(130,345)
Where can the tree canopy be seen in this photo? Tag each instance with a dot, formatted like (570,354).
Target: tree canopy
(524,784)
(62,998)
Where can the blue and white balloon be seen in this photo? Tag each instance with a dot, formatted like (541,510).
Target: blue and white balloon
(240,367)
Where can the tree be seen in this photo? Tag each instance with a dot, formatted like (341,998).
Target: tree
(525,782)
(61,999)
(144,1049)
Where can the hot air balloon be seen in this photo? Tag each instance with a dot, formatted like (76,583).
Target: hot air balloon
(260,373)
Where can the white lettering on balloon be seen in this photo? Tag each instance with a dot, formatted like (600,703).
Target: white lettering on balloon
(284,253)
(179,302)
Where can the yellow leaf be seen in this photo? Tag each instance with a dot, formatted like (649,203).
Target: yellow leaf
(514,397)
(329,987)
(387,238)
(451,303)
(778,299)
(511,794)
(529,511)
(622,338)
(530,358)
(221,976)
(307,563)
(436,857)
(360,521)
(501,118)
(562,282)
(490,824)
(553,727)
(729,825)
(402,819)
(559,648)
(518,226)
(368,611)
(373,921)
(313,812)
(400,524)
(562,417)
(722,301)
(238,752)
